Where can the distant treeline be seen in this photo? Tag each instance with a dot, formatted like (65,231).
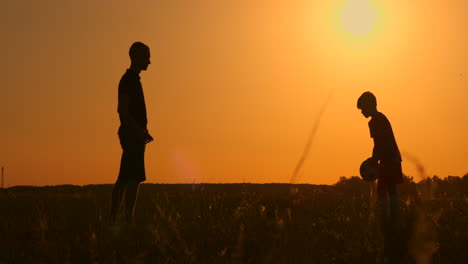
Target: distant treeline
(451,187)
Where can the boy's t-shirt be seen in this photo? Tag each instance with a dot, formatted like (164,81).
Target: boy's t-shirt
(385,146)
(385,149)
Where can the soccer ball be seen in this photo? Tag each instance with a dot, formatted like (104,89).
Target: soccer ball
(369,170)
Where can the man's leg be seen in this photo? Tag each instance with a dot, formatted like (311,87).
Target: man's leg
(117,196)
(130,200)
(120,184)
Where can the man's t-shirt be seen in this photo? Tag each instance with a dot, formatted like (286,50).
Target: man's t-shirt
(385,146)
(130,85)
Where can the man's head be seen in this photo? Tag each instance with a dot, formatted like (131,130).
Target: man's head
(140,56)
(367,103)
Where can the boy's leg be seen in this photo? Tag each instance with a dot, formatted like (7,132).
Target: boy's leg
(389,204)
(130,199)
(117,196)
(395,246)
(382,197)
(393,197)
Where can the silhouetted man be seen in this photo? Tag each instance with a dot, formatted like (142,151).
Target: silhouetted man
(387,155)
(133,134)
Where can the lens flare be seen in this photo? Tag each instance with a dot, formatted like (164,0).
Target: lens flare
(186,168)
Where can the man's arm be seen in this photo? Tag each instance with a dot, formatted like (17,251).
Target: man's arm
(128,120)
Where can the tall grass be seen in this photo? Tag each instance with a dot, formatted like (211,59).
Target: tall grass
(424,243)
(231,223)
(310,139)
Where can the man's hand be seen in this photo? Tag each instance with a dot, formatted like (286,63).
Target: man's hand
(148,138)
(145,136)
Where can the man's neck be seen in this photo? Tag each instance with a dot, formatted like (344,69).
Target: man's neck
(135,69)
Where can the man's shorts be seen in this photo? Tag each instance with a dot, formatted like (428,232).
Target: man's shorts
(132,164)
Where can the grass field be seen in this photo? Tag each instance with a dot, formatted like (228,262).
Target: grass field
(231,223)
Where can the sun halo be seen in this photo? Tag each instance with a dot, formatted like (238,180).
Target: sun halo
(358,17)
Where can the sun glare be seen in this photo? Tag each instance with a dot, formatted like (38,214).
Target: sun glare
(359,17)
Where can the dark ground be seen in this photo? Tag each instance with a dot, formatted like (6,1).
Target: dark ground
(231,223)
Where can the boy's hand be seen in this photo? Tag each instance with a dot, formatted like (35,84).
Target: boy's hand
(374,160)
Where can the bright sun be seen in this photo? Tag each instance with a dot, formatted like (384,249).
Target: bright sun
(358,17)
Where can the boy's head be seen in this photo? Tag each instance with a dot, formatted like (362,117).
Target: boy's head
(367,103)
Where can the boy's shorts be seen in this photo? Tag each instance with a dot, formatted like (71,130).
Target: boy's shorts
(132,164)
(390,173)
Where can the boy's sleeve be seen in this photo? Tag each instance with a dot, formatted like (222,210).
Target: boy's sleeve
(381,132)
(377,151)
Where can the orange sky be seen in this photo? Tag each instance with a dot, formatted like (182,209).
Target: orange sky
(233,90)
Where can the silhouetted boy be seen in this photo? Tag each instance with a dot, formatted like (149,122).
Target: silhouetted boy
(387,155)
(133,134)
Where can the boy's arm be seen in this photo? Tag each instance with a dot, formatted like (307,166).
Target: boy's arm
(381,134)
(382,146)
(376,152)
